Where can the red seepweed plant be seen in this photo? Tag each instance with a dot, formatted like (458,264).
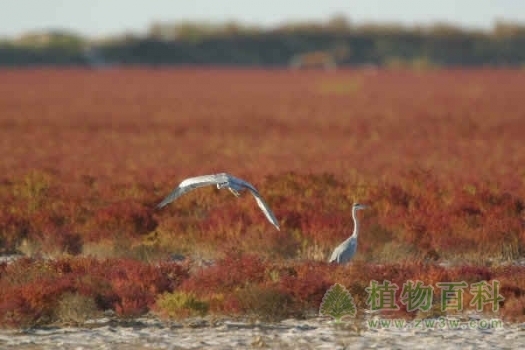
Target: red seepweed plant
(438,155)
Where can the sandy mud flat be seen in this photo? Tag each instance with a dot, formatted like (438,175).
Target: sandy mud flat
(316,333)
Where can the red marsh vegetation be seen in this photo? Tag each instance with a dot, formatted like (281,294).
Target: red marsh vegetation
(86,155)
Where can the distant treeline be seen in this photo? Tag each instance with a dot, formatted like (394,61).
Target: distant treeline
(336,42)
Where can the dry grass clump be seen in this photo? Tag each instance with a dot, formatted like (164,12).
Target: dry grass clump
(74,308)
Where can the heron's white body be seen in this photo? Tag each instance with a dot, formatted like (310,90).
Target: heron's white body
(346,250)
(222,180)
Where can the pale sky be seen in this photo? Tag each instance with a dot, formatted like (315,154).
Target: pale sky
(96,18)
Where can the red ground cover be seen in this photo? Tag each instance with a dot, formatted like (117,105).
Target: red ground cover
(439,155)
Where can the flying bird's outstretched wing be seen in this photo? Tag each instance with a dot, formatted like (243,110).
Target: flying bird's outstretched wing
(260,202)
(226,180)
(266,210)
(191,184)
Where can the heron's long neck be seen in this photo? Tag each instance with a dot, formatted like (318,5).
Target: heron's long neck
(356,223)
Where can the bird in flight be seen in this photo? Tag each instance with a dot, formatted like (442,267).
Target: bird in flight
(222,180)
(346,250)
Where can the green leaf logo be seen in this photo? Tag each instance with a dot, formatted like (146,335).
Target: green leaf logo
(337,302)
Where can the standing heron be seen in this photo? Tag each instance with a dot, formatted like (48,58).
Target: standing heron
(346,250)
(222,180)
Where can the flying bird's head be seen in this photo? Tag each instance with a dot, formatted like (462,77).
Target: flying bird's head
(221,185)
